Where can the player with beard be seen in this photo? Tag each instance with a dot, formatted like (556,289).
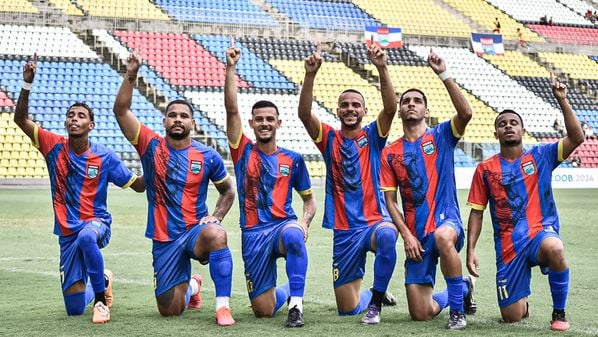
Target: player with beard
(354,207)
(518,185)
(79,172)
(421,164)
(178,170)
(266,176)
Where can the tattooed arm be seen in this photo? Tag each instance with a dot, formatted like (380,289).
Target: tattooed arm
(128,123)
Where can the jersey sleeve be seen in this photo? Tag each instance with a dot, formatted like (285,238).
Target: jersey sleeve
(552,153)
(448,132)
(478,193)
(143,138)
(388,179)
(302,182)
(236,150)
(45,140)
(218,171)
(373,133)
(118,173)
(322,139)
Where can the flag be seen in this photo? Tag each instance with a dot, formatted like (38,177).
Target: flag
(385,37)
(490,44)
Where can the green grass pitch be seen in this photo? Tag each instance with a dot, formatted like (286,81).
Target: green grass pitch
(31,303)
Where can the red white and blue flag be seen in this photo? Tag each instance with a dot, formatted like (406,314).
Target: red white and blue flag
(385,37)
(489,44)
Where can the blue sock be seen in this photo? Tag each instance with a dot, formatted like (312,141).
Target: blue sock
(221,271)
(87,241)
(559,288)
(386,257)
(364,299)
(465,287)
(282,295)
(75,303)
(441,298)
(454,287)
(296,265)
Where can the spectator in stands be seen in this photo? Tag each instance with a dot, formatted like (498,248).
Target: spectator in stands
(178,173)
(496,29)
(79,175)
(354,208)
(558,127)
(588,130)
(576,161)
(550,22)
(589,15)
(266,176)
(522,42)
(420,166)
(543,20)
(517,184)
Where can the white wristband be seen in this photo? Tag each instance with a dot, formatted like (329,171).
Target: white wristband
(27,86)
(444,75)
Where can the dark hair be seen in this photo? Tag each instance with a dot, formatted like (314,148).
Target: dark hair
(507,111)
(353,91)
(416,90)
(83,105)
(180,101)
(264,104)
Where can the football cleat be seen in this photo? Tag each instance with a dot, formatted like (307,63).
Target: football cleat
(195,300)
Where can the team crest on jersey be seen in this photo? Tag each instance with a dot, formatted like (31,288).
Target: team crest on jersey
(284,170)
(529,168)
(428,147)
(92,171)
(362,141)
(196,166)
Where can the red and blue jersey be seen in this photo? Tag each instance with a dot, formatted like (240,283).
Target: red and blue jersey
(353,197)
(176,183)
(520,196)
(265,183)
(424,172)
(79,182)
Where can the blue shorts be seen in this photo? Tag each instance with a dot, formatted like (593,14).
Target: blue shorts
(172,260)
(349,254)
(424,272)
(72,264)
(513,280)
(260,252)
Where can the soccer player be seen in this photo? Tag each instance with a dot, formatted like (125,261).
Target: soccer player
(79,175)
(517,183)
(421,164)
(177,172)
(354,207)
(266,176)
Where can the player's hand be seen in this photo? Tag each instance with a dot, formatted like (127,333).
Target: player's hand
(473,264)
(209,219)
(559,89)
(232,54)
(314,61)
(413,248)
(436,62)
(133,63)
(376,54)
(305,227)
(29,69)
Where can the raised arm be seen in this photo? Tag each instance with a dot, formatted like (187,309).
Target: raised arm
(413,248)
(312,63)
(461,104)
(21,116)
(309,211)
(474,227)
(129,125)
(233,118)
(389,98)
(575,135)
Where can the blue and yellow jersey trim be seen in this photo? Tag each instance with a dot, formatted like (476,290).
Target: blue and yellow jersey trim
(319,138)
(380,133)
(130,182)
(135,140)
(306,192)
(388,189)
(36,136)
(217,182)
(235,145)
(559,152)
(454,129)
(476,206)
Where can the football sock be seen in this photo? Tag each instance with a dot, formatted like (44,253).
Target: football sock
(192,289)
(455,292)
(296,260)
(221,270)
(559,288)
(364,299)
(75,303)
(441,298)
(282,295)
(296,301)
(94,262)
(386,258)
(222,301)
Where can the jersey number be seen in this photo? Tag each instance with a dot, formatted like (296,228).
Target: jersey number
(503,294)
(249,286)
(334,274)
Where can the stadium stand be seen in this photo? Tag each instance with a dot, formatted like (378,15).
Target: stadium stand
(216,11)
(131,9)
(67,6)
(530,11)
(568,35)
(17,6)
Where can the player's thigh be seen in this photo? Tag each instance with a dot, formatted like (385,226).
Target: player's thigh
(264,304)
(419,301)
(73,273)
(172,267)
(515,312)
(513,281)
(259,260)
(347,295)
